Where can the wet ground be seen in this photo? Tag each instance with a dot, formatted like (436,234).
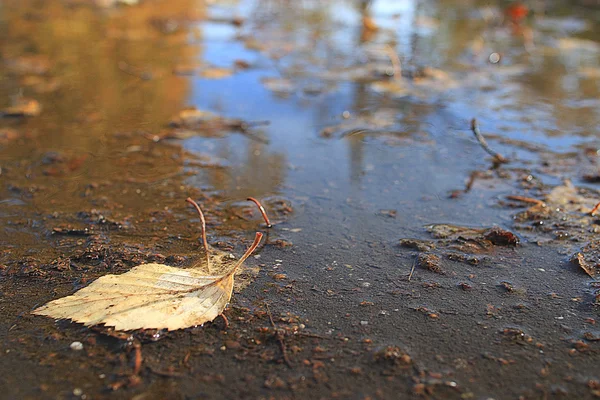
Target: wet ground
(405,260)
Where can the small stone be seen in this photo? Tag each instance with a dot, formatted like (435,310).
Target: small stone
(77,346)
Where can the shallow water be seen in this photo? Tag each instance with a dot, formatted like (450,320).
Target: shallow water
(94,184)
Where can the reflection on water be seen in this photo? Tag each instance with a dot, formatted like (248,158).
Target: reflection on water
(110,79)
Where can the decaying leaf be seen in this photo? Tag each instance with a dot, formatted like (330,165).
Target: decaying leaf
(216,73)
(588,259)
(568,198)
(7,135)
(192,118)
(30,64)
(280,86)
(152,296)
(394,88)
(483,237)
(23,108)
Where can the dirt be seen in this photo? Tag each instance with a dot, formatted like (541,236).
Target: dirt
(403,260)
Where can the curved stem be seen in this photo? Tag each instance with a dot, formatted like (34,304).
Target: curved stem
(596,208)
(250,250)
(262,211)
(203,228)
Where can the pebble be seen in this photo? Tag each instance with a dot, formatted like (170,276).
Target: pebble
(77,346)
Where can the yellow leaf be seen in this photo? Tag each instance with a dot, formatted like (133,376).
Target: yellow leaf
(150,296)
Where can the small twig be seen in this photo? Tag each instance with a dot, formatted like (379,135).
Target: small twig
(138,359)
(186,359)
(279,336)
(474,175)
(524,199)
(262,211)
(257,238)
(312,335)
(396,64)
(168,374)
(596,208)
(412,270)
(475,128)
(270,316)
(134,71)
(226,321)
(203,227)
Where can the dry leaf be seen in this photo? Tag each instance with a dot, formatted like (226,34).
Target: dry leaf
(23,108)
(391,87)
(281,86)
(41,84)
(590,267)
(567,197)
(150,296)
(192,117)
(30,64)
(216,73)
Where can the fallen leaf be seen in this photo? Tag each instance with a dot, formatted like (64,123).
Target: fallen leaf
(192,117)
(186,69)
(41,84)
(216,73)
(589,72)
(471,240)
(23,108)
(369,24)
(30,64)
(150,296)
(391,87)
(281,86)
(580,45)
(568,198)
(516,12)
(8,135)
(588,259)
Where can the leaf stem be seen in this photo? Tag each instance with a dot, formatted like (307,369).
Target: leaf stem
(203,228)
(250,250)
(497,156)
(596,207)
(262,211)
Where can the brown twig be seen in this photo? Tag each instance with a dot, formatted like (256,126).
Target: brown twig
(395,60)
(138,359)
(474,175)
(250,250)
(262,211)
(497,157)
(596,208)
(279,337)
(270,316)
(168,374)
(524,199)
(225,321)
(186,359)
(203,227)
(412,270)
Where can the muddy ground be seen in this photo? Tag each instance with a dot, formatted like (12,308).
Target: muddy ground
(405,261)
